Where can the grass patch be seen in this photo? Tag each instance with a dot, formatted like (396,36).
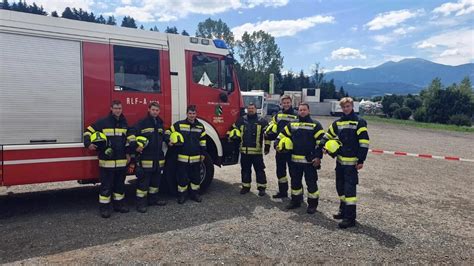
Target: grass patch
(419,124)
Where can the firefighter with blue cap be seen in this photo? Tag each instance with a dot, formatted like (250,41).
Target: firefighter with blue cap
(112,139)
(347,139)
(150,136)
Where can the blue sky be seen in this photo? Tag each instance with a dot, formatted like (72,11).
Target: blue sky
(338,34)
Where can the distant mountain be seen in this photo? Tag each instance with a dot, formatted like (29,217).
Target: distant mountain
(403,77)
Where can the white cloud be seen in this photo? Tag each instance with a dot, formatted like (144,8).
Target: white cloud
(450,52)
(139,14)
(396,34)
(425,45)
(347,53)
(280,28)
(459,8)
(454,47)
(266,3)
(171,10)
(354,28)
(392,18)
(403,31)
(342,68)
(60,5)
(317,46)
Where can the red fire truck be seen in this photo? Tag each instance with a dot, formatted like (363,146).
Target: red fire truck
(57,76)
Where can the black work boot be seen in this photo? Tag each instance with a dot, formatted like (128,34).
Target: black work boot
(195,196)
(105,210)
(141,205)
(181,198)
(119,206)
(312,206)
(340,214)
(244,190)
(346,223)
(282,191)
(154,200)
(294,203)
(261,192)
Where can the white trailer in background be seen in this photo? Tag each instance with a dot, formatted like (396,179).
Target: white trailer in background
(254,96)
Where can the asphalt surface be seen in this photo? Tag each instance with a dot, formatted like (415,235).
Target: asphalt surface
(411,210)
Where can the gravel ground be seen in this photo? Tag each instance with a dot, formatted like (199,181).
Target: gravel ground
(411,210)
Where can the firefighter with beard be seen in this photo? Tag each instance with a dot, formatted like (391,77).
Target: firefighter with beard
(351,132)
(249,131)
(279,121)
(302,140)
(150,135)
(114,154)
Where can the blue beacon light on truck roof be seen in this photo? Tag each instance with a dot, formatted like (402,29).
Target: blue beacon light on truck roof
(220,44)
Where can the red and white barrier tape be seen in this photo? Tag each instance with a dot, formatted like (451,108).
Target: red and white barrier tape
(429,156)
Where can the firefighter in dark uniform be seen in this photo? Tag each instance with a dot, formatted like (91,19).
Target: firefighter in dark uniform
(113,158)
(279,121)
(351,131)
(249,131)
(306,154)
(149,134)
(191,137)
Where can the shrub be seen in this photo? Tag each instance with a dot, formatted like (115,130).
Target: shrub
(402,113)
(420,115)
(460,120)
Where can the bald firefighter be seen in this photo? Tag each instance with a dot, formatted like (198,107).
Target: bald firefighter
(351,132)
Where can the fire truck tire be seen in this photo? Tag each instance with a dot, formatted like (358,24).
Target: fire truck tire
(207,172)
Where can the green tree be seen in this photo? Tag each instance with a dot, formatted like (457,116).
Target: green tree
(412,102)
(128,22)
(172,30)
(184,33)
(67,13)
(260,53)
(101,20)
(216,29)
(387,102)
(111,20)
(142,28)
(5,5)
(54,14)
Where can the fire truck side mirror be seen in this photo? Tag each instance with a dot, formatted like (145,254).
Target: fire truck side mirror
(223,97)
(229,59)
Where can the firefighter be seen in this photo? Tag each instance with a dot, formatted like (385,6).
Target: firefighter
(249,130)
(149,134)
(351,133)
(191,136)
(113,158)
(279,121)
(306,156)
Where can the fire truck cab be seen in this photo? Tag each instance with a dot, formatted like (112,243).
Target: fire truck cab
(58,76)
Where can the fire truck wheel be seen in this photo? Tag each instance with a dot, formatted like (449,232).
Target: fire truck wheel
(207,172)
